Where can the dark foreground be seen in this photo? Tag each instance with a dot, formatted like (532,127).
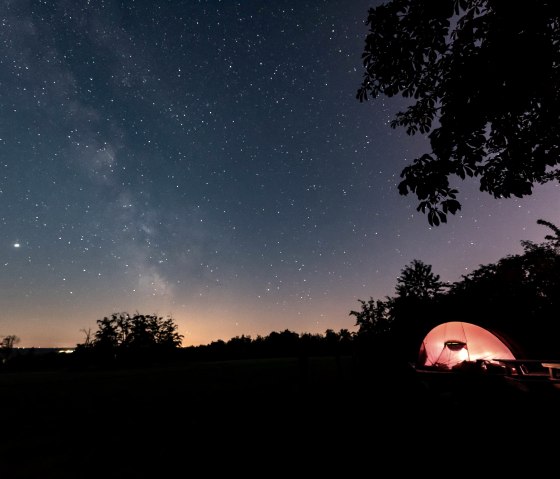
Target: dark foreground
(273,417)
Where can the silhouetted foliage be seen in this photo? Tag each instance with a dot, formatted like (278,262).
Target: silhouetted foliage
(482,81)
(132,338)
(375,322)
(374,318)
(417,281)
(277,344)
(7,347)
(418,295)
(389,328)
(552,240)
(517,298)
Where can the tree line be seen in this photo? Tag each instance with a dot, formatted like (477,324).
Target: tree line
(517,298)
(156,341)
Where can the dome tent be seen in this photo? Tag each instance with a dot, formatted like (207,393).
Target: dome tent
(453,343)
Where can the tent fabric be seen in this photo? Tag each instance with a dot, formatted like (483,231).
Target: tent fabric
(452,343)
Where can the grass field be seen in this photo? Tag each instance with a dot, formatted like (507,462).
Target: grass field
(127,422)
(167,421)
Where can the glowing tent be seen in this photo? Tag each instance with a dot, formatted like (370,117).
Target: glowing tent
(450,344)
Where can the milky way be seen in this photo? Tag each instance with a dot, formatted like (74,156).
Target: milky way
(208,160)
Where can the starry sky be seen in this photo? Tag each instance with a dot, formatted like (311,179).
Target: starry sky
(208,160)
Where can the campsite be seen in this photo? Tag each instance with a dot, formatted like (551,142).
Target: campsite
(195,196)
(436,368)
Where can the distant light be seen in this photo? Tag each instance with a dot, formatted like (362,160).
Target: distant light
(16,245)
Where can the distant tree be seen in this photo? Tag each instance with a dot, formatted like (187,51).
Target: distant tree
(277,344)
(394,326)
(415,306)
(418,281)
(7,346)
(283,343)
(312,344)
(483,83)
(240,347)
(122,334)
(374,339)
(374,319)
(8,342)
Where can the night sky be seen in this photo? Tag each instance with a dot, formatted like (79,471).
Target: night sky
(209,160)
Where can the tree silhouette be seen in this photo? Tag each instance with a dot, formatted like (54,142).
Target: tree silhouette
(417,289)
(418,281)
(277,344)
(482,82)
(7,346)
(518,296)
(374,339)
(415,307)
(553,239)
(137,336)
(374,318)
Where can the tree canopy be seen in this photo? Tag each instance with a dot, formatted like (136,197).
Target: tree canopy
(483,84)
(123,335)
(418,281)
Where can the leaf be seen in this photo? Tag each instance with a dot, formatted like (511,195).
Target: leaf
(433,218)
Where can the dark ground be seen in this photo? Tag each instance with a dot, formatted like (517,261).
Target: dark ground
(274,417)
